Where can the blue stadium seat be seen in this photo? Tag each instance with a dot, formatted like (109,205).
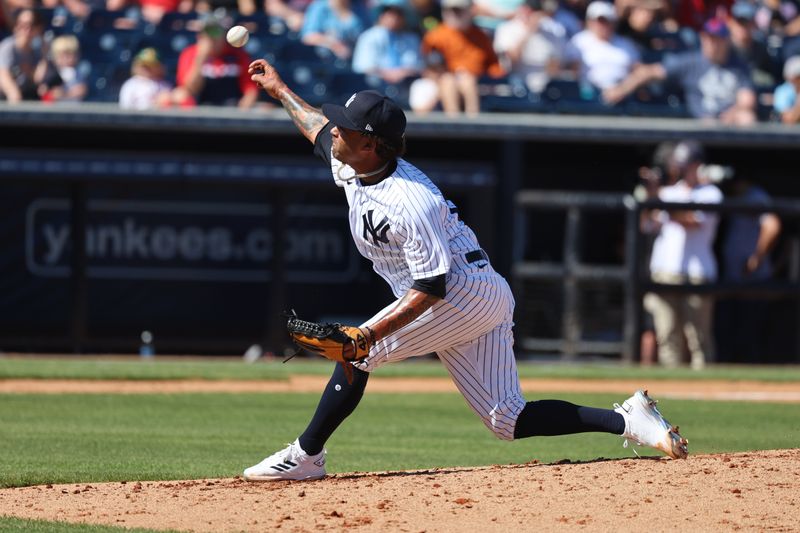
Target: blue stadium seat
(343,84)
(267,46)
(100,20)
(309,80)
(508,95)
(574,98)
(662,103)
(109,47)
(259,24)
(104,82)
(176,21)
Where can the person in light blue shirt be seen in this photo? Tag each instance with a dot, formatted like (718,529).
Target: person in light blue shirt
(387,50)
(785,100)
(335,25)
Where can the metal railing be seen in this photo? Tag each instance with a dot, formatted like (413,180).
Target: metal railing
(631,274)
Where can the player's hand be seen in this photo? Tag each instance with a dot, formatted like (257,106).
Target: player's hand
(266,77)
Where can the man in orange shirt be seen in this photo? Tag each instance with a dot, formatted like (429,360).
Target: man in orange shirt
(465,53)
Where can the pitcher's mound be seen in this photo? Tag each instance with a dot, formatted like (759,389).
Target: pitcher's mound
(752,491)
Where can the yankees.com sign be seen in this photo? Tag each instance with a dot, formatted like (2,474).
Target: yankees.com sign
(197,241)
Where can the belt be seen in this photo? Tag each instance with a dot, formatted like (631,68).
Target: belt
(476,255)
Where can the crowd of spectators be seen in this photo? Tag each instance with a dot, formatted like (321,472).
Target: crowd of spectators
(736,61)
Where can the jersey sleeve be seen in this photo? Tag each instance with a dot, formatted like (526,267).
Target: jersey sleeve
(323,142)
(426,247)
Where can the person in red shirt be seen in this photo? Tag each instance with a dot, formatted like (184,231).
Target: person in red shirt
(154,10)
(466,53)
(212,72)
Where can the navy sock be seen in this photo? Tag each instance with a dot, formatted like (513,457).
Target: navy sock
(334,406)
(556,417)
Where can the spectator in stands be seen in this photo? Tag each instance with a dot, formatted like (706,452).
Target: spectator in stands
(65,53)
(335,25)
(785,101)
(568,13)
(154,10)
(780,18)
(694,13)
(23,63)
(750,45)
(531,45)
(746,248)
(458,53)
(146,88)
(387,50)
(211,72)
(291,12)
(491,13)
(601,57)
(424,16)
(715,82)
(683,254)
(647,23)
(651,179)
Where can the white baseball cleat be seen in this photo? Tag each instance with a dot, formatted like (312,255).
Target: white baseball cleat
(290,463)
(645,426)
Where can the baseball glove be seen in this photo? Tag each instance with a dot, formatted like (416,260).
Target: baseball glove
(343,344)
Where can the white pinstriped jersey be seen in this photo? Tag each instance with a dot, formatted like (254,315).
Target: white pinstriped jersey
(404,225)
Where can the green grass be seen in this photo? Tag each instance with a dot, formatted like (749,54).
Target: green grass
(132,369)
(94,438)
(12,525)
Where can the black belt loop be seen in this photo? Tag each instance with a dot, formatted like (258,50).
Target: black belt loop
(476,255)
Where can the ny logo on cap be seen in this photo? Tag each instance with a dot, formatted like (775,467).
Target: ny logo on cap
(350,100)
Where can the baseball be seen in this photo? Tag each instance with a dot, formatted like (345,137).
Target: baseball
(238,36)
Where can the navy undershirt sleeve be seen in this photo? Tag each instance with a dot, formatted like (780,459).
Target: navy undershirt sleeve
(323,142)
(435,286)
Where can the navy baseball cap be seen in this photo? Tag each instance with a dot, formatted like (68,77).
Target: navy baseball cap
(716,27)
(369,112)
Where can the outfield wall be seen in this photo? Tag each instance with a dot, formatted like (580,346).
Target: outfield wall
(181,214)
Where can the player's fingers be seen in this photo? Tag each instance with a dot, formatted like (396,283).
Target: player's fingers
(259,65)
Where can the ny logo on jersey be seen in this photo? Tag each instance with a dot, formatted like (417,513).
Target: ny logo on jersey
(378,232)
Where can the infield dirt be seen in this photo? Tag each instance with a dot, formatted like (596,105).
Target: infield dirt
(726,492)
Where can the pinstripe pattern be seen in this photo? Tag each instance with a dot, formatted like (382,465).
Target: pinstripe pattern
(470,329)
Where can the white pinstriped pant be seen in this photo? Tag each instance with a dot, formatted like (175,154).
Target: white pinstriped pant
(470,330)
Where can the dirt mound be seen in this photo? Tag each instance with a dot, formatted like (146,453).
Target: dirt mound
(750,491)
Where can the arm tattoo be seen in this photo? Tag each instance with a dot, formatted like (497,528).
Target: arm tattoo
(308,119)
(410,306)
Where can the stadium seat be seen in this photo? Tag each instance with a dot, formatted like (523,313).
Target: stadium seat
(101,20)
(575,98)
(343,84)
(267,46)
(259,24)
(176,21)
(109,47)
(309,80)
(508,95)
(104,82)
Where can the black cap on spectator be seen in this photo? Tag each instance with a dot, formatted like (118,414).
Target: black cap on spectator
(536,5)
(688,152)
